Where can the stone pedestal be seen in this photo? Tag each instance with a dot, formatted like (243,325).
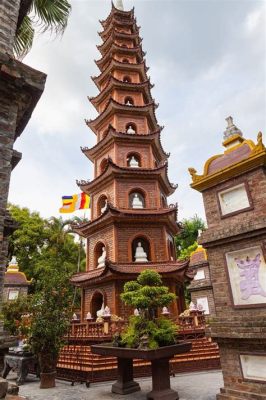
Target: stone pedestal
(125,383)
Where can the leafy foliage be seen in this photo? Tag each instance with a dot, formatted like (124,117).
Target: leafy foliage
(46,15)
(147,294)
(12,312)
(43,245)
(189,234)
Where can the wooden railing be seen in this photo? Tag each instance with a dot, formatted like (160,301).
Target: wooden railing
(95,330)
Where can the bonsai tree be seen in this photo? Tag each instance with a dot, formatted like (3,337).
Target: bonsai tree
(146,330)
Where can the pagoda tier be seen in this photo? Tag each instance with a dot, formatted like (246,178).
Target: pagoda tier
(113,171)
(112,84)
(120,139)
(176,270)
(117,37)
(132,227)
(136,71)
(120,115)
(164,216)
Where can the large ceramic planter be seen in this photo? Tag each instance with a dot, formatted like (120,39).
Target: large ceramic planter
(47,380)
(159,358)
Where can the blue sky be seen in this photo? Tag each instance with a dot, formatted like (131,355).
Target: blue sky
(207,60)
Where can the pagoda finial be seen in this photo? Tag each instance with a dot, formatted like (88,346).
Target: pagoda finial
(119,5)
(231,129)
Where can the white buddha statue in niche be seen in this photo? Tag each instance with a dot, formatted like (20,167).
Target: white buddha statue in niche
(131,130)
(140,255)
(128,103)
(100,312)
(104,207)
(102,258)
(133,163)
(137,202)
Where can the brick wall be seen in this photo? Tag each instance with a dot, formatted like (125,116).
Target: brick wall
(106,236)
(143,150)
(9,10)
(152,197)
(140,122)
(155,235)
(135,78)
(256,181)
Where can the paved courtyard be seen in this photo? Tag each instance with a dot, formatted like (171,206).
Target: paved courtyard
(193,386)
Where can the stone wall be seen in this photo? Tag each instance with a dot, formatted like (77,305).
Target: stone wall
(9,10)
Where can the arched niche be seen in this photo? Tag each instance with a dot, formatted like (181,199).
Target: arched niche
(125,60)
(143,243)
(133,160)
(97,301)
(98,253)
(127,79)
(171,250)
(103,165)
(101,204)
(129,101)
(137,199)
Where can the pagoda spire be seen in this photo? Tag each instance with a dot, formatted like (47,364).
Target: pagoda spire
(119,5)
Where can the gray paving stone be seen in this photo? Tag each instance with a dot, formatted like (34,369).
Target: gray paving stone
(193,386)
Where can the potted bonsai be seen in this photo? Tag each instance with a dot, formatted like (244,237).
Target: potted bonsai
(50,321)
(149,336)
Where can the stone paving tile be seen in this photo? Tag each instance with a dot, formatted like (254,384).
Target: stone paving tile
(193,386)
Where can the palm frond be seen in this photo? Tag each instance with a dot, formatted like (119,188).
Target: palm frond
(24,38)
(52,15)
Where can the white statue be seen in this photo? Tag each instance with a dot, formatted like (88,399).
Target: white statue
(131,130)
(88,316)
(140,255)
(128,103)
(102,258)
(13,261)
(136,312)
(107,312)
(74,317)
(104,207)
(137,202)
(165,311)
(100,312)
(133,163)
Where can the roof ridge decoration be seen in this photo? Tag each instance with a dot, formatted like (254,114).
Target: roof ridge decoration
(119,5)
(243,156)
(231,129)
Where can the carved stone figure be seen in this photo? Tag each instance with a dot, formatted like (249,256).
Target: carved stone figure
(249,271)
(131,130)
(165,311)
(107,312)
(100,312)
(104,207)
(133,163)
(136,312)
(137,202)
(140,255)
(102,258)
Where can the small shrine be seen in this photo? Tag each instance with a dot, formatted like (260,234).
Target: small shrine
(201,287)
(15,283)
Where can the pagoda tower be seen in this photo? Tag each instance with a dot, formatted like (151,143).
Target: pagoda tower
(131,228)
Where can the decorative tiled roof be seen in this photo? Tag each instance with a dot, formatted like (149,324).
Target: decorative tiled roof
(240,156)
(112,169)
(13,276)
(199,256)
(176,269)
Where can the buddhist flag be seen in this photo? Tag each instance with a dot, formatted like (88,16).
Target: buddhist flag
(74,202)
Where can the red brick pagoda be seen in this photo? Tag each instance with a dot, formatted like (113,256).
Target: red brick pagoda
(132,228)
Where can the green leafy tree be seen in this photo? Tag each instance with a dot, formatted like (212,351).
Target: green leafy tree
(43,245)
(147,294)
(46,15)
(189,234)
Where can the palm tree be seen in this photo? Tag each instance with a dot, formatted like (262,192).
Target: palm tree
(46,15)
